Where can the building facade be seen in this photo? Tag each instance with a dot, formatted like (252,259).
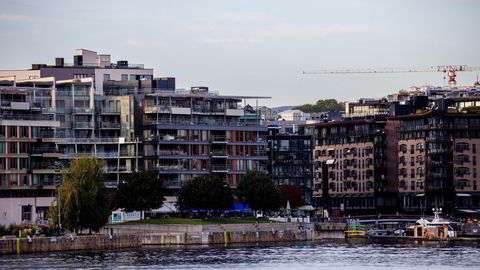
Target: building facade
(29,163)
(191,133)
(350,166)
(290,163)
(437,161)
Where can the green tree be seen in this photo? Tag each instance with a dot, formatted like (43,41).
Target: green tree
(258,190)
(140,192)
(322,106)
(208,192)
(83,202)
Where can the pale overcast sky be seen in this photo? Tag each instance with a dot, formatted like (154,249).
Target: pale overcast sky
(254,47)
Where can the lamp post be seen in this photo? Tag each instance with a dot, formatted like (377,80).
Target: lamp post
(58,184)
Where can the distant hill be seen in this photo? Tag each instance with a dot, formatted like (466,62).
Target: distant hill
(282,108)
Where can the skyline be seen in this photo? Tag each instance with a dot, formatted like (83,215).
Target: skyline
(251,47)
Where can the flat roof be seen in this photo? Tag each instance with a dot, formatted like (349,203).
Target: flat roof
(203,95)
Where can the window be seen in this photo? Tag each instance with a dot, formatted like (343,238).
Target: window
(124,77)
(14,180)
(2,131)
(23,163)
(12,149)
(12,132)
(460,147)
(133,77)
(26,212)
(106,77)
(24,132)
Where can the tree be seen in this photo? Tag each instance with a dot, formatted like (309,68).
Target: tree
(259,191)
(140,192)
(83,203)
(208,192)
(322,106)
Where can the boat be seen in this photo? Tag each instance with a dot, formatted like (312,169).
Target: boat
(437,228)
(355,231)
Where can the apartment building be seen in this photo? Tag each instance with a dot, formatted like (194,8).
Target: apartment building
(196,132)
(90,125)
(86,64)
(350,166)
(437,160)
(29,167)
(290,162)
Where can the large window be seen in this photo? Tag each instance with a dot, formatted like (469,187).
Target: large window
(106,77)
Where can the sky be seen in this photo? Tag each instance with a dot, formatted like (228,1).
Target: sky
(257,47)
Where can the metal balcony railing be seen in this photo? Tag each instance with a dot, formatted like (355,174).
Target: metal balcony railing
(83,125)
(108,125)
(43,150)
(27,117)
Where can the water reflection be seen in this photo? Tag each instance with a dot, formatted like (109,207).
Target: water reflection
(345,254)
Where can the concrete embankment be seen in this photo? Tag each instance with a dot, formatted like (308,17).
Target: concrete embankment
(136,235)
(51,244)
(151,234)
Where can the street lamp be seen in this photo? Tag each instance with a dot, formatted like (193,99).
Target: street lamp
(57,185)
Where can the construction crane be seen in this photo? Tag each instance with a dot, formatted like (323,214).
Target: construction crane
(449,70)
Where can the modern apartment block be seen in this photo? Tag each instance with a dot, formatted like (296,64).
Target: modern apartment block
(350,166)
(196,132)
(90,125)
(29,167)
(290,162)
(437,160)
(86,64)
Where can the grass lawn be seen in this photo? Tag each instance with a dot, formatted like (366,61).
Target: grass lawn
(193,221)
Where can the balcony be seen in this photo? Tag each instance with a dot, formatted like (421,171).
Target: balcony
(109,125)
(108,111)
(175,154)
(219,139)
(220,168)
(115,169)
(157,109)
(27,117)
(163,121)
(180,169)
(206,110)
(44,150)
(218,154)
(83,125)
(83,110)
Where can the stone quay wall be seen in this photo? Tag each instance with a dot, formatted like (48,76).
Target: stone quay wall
(52,244)
(215,234)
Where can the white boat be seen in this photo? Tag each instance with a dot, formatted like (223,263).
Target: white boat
(437,222)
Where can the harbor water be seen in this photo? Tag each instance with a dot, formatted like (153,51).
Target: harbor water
(325,254)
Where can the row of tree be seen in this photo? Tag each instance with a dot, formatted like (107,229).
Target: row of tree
(85,203)
(322,106)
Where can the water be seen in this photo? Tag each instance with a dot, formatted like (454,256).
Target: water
(328,254)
